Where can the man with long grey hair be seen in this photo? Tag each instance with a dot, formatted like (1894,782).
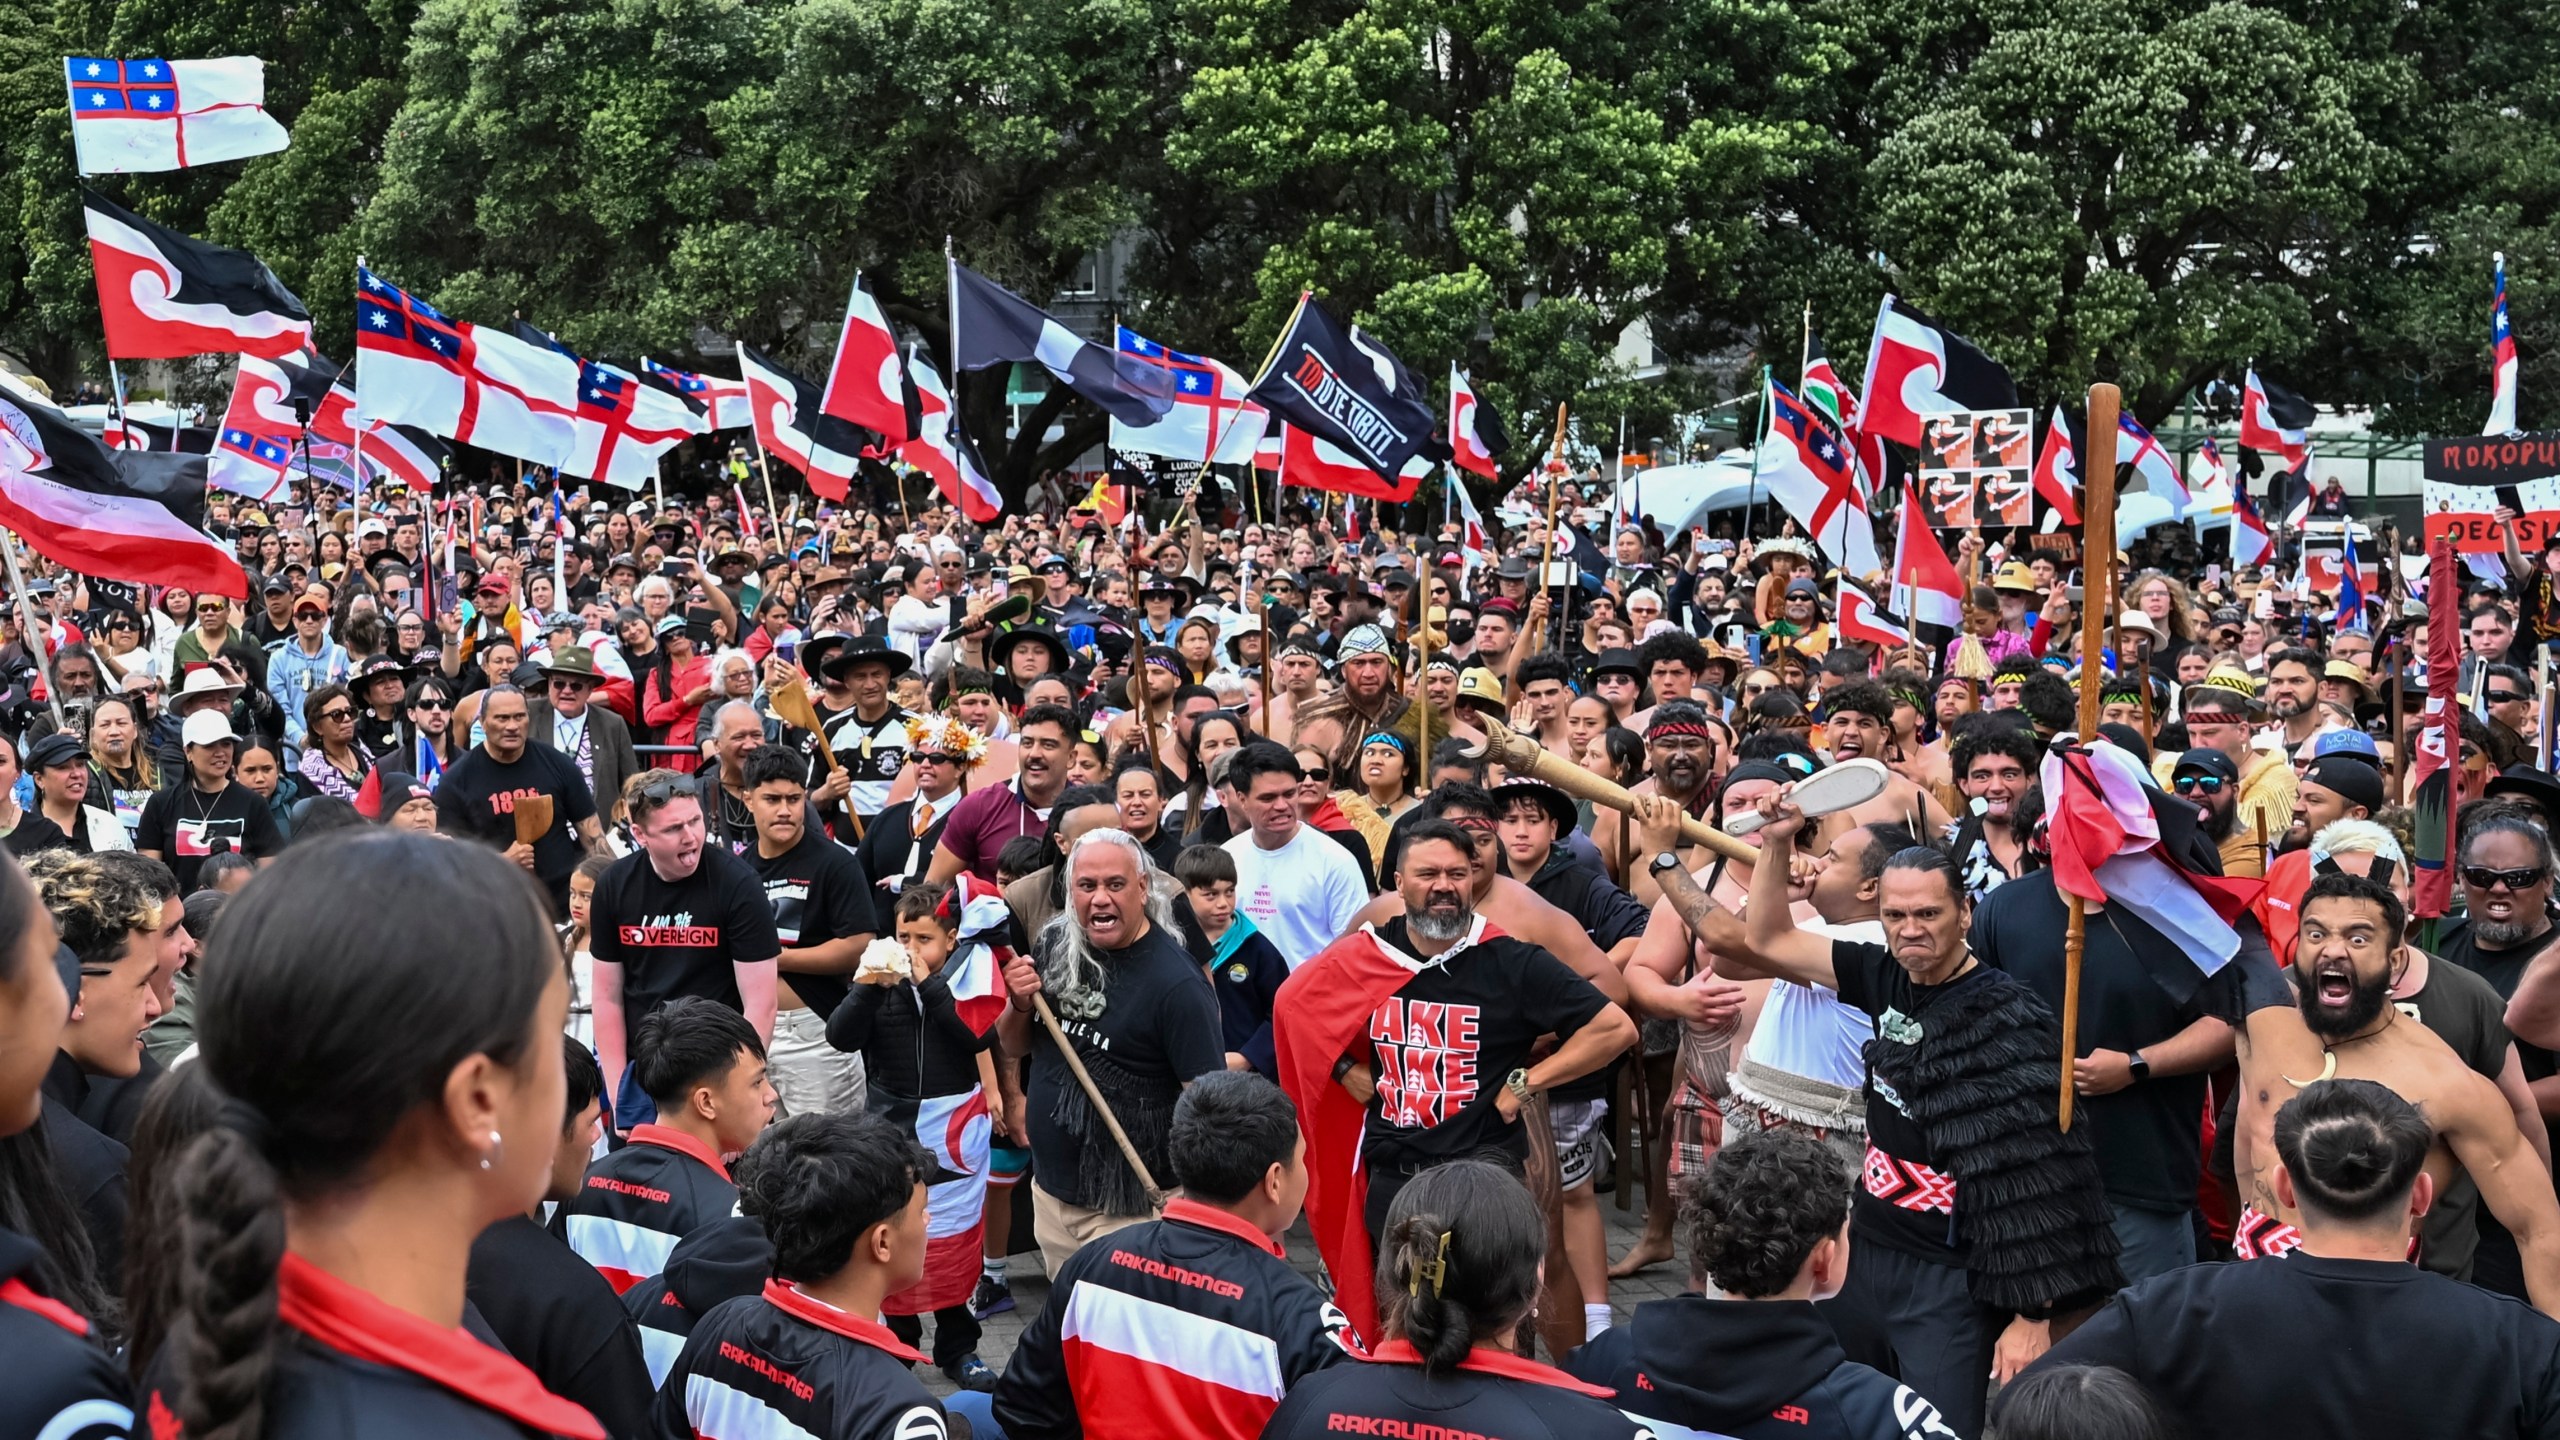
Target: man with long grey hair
(1143,1021)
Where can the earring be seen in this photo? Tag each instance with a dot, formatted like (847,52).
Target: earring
(497,1151)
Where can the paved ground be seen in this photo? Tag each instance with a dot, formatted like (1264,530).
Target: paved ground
(1031,1288)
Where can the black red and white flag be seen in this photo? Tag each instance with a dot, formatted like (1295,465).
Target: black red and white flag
(867,385)
(793,428)
(1916,367)
(164,295)
(135,515)
(1344,389)
(1860,618)
(2274,420)
(942,447)
(1475,436)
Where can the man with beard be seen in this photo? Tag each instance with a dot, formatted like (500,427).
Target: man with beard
(2208,780)
(1367,703)
(1857,718)
(2458,1362)
(2218,717)
(1445,1064)
(2293,695)
(2345,962)
(2506,933)
(1995,760)
(982,822)
(1963,1153)
(1678,749)
(1143,1021)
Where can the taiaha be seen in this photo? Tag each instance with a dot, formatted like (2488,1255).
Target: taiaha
(1546,560)
(2098,538)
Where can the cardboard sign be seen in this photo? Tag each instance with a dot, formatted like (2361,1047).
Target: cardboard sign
(1977,468)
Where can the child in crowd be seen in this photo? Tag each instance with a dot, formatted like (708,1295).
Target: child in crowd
(1244,967)
(931,1072)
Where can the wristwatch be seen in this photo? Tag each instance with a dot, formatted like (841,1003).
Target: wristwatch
(1667,860)
(2140,1067)
(1517,1082)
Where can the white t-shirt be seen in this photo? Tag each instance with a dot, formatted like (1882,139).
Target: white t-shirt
(1809,1031)
(1303,895)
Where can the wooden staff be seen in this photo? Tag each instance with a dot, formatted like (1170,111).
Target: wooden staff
(2399,735)
(1522,756)
(1101,1107)
(1555,473)
(2099,536)
(1419,771)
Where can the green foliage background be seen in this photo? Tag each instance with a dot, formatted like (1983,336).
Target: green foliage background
(2152,192)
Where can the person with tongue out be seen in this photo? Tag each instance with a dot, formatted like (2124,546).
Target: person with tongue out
(2345,961)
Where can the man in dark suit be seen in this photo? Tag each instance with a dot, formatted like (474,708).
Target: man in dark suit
(592,736)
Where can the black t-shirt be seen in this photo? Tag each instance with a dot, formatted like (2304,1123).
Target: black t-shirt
(1158,1031)
(185,825)
(818,893)
(477,797)
(679,937)
(2503,969)
(1906,1203)
(1444,1043)
(2147,1135)
(36,832)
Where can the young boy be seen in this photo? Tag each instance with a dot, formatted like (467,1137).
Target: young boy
(931,1074)
(1244,967)
(842,1197)
(701,1063)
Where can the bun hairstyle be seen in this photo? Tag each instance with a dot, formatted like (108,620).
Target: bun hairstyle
(1460,1260)
(2353,1148)
(818,1183)
(328,939)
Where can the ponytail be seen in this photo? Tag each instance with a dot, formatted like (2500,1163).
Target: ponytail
(1460,1264)
(231,1224)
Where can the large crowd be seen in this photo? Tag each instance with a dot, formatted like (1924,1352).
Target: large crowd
(667,973)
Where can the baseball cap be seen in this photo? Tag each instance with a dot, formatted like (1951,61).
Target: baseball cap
(2358,782)
(2344,741)
(2208,761)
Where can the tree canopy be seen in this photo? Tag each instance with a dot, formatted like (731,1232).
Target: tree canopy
(2155,193)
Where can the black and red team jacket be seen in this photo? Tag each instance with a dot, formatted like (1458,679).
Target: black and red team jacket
(641,1199)
(1490,1396)
(782,1366)
(54,1382)
(1189,1326)
(350,1365)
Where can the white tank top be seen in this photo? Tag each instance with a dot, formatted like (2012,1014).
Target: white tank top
(1806,1030)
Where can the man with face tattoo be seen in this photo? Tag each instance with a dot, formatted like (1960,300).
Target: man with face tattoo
(2344,964)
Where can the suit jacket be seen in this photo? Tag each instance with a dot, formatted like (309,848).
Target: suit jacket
(609,744)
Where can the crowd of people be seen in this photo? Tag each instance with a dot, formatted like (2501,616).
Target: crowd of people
(670,980)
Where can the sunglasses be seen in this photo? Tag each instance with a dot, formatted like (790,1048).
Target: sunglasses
(926,759)
(2504,697)
(1319,775)
(431,704)
(2199,784)
(2481,877)
(347,714)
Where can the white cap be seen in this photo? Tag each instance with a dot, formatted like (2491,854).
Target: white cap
(207,727)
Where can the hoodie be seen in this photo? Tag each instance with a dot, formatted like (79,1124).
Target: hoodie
(1750,1370)
(722,1261)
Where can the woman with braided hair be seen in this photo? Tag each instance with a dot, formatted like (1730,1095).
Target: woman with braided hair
(327,1221)
(1457,1277)
(59,1380)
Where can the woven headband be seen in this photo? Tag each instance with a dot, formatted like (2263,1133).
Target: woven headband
(1660,728)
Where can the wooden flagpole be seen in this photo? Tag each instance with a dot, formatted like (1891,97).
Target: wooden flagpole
(1555,474)
(2098,535)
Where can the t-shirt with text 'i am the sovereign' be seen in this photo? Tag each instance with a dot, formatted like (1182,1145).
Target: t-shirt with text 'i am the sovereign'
(680,937)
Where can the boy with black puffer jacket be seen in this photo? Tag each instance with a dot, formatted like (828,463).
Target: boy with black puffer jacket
(1768,1226)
